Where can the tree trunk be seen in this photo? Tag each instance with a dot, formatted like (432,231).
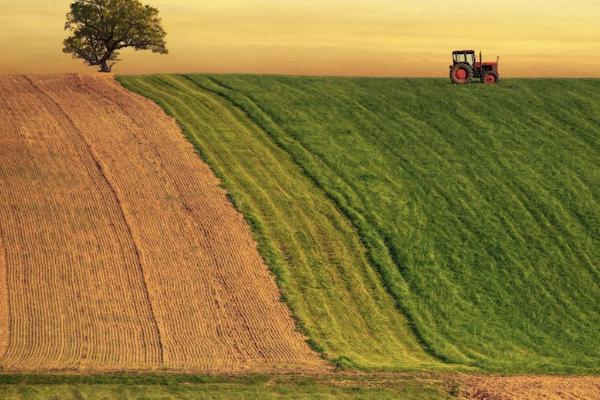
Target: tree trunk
(104,67)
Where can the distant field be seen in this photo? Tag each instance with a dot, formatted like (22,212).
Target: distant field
(412,223)
(118,249)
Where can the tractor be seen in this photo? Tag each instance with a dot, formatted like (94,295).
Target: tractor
(465,68)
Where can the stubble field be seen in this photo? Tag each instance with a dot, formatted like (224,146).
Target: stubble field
(118,248)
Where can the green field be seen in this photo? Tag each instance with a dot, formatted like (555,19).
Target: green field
(182,387)
(411,223)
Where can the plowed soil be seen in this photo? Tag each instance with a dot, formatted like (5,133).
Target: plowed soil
(118,248)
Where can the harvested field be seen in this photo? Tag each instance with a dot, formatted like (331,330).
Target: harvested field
(118,248)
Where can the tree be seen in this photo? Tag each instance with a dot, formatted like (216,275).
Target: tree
(100,28)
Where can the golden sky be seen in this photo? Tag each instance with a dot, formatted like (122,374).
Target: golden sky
(328,37)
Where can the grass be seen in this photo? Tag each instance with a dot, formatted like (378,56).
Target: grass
(313,250)
(171,387)
(412,223)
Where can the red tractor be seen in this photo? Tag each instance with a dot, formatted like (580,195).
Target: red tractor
(465,68)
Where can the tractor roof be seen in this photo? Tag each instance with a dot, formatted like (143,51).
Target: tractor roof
(463,52)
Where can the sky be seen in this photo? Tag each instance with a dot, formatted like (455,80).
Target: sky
(536,38)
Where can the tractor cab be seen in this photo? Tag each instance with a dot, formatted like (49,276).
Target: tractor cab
(465,68)
(464,56)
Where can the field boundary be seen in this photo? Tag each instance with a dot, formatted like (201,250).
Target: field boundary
(347,212)
(265,248)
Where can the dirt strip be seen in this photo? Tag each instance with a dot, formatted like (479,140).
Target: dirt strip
(481,387)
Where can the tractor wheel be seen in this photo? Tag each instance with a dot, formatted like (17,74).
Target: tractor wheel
(461,73)
(489,78)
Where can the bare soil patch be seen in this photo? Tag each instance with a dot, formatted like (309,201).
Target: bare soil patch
(530,387)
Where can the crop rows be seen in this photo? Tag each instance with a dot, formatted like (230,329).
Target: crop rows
(118,248)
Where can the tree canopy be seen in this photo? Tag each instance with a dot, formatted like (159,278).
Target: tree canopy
(100,28)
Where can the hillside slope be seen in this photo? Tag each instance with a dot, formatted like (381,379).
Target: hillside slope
(118,248)
(318,258)
(477,207)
